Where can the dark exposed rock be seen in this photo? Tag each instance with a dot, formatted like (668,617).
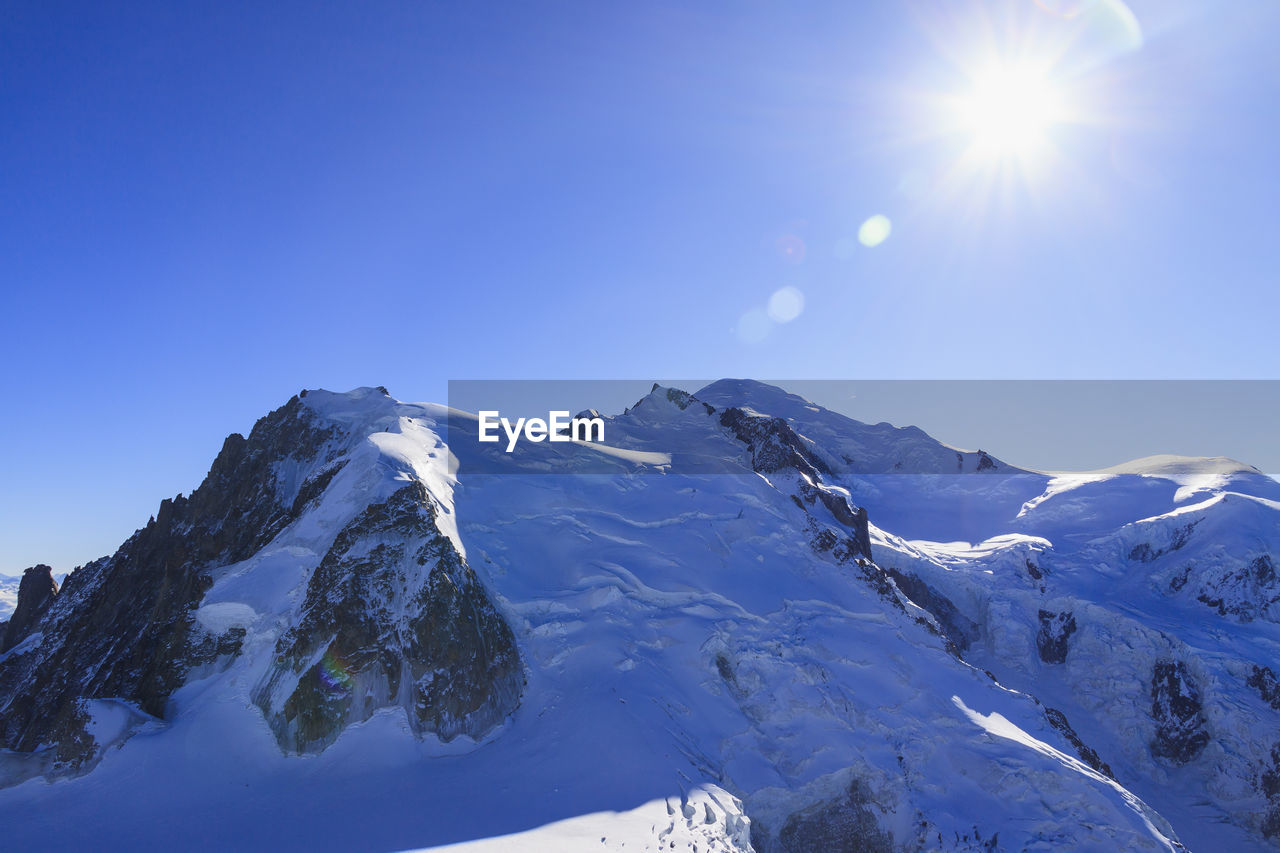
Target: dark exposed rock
(846,824)
(726,669)
(840,508)
(1182,535)
(956,627)
(1176,707)
(1269,781)
(761,838)
(1144,552)
(36,592)
(849,516)
(1269,787)
(1216,602)
(123,627)
(774,445)
(313,488)
(684,399)
(586,416)
(1087,754)
(373,635)
(1263,569)
(879,581)
(1264,681)
(240,505)
(848,551)
(1246,592)
(1051,639)
(985,462)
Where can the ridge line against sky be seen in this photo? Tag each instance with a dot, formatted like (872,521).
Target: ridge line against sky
(210,207)
(1019,422)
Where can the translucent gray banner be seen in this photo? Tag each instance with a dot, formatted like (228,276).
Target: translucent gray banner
(935,427)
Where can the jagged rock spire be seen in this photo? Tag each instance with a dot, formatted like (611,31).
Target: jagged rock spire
(35,593)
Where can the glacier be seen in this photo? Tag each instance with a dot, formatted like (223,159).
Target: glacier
(746,622)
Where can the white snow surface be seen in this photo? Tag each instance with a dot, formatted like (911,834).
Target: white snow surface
(694,667)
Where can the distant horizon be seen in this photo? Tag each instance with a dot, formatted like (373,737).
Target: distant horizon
(931,405)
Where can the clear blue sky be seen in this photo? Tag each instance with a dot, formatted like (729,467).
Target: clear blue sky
(205,207)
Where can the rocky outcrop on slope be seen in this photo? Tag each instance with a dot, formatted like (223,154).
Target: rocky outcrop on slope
(683,399)
(1263,680)
(845,823)
(1177,710)
(1055,631)
(775,446)
(1269,786)
(1145,552)
(772,442)
(1087,754)
(1239,583)
(1246,591)
(35,593)
(958,629)
(122,628)
(836,528)
(393,616)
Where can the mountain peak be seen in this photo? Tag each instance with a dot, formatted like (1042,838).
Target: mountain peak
(36,591)
(775,631)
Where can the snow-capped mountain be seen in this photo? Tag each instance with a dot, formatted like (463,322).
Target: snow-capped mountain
(745,622)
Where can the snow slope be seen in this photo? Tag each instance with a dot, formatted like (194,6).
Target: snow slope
(702,668)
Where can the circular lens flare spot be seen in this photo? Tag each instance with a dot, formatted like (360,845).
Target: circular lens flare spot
(791,248)
(754,326)
(786,304)
(875,231)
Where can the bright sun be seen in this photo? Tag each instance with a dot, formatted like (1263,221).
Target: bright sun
(1009,112)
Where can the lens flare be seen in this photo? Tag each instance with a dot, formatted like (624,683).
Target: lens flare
(1011,113)
(875,231)
(1065,8)
(334,673)
(786,304)
(791,248)
(754,326)
(1101,30)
